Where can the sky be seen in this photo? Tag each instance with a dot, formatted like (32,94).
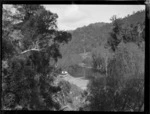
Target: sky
(73,16)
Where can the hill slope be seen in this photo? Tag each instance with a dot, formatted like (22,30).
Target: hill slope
(85,39)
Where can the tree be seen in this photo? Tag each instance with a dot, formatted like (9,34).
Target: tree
(126,33)
(116,34)
(124,87)
(134,33)
(100,58)
(29,77)
(8,48)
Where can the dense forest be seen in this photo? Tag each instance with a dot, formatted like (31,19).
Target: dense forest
(34,52)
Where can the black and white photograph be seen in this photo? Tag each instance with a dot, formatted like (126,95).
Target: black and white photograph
(73,57)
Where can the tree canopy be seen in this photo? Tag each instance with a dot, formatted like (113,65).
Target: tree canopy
(31,49)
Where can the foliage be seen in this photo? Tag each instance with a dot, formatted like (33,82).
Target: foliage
(116,33)
(68,60)
(69,95)
(31,51)
(137,17)
(126,33)
(99,56)
(134,33)
(124,87)
(8,48)
(63,96)
(87,38)
(30,80)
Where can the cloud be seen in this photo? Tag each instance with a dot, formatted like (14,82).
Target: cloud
(73,14)
(73,26)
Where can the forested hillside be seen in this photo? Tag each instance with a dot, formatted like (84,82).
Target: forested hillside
(136,17)
(88,38)
(94,35)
